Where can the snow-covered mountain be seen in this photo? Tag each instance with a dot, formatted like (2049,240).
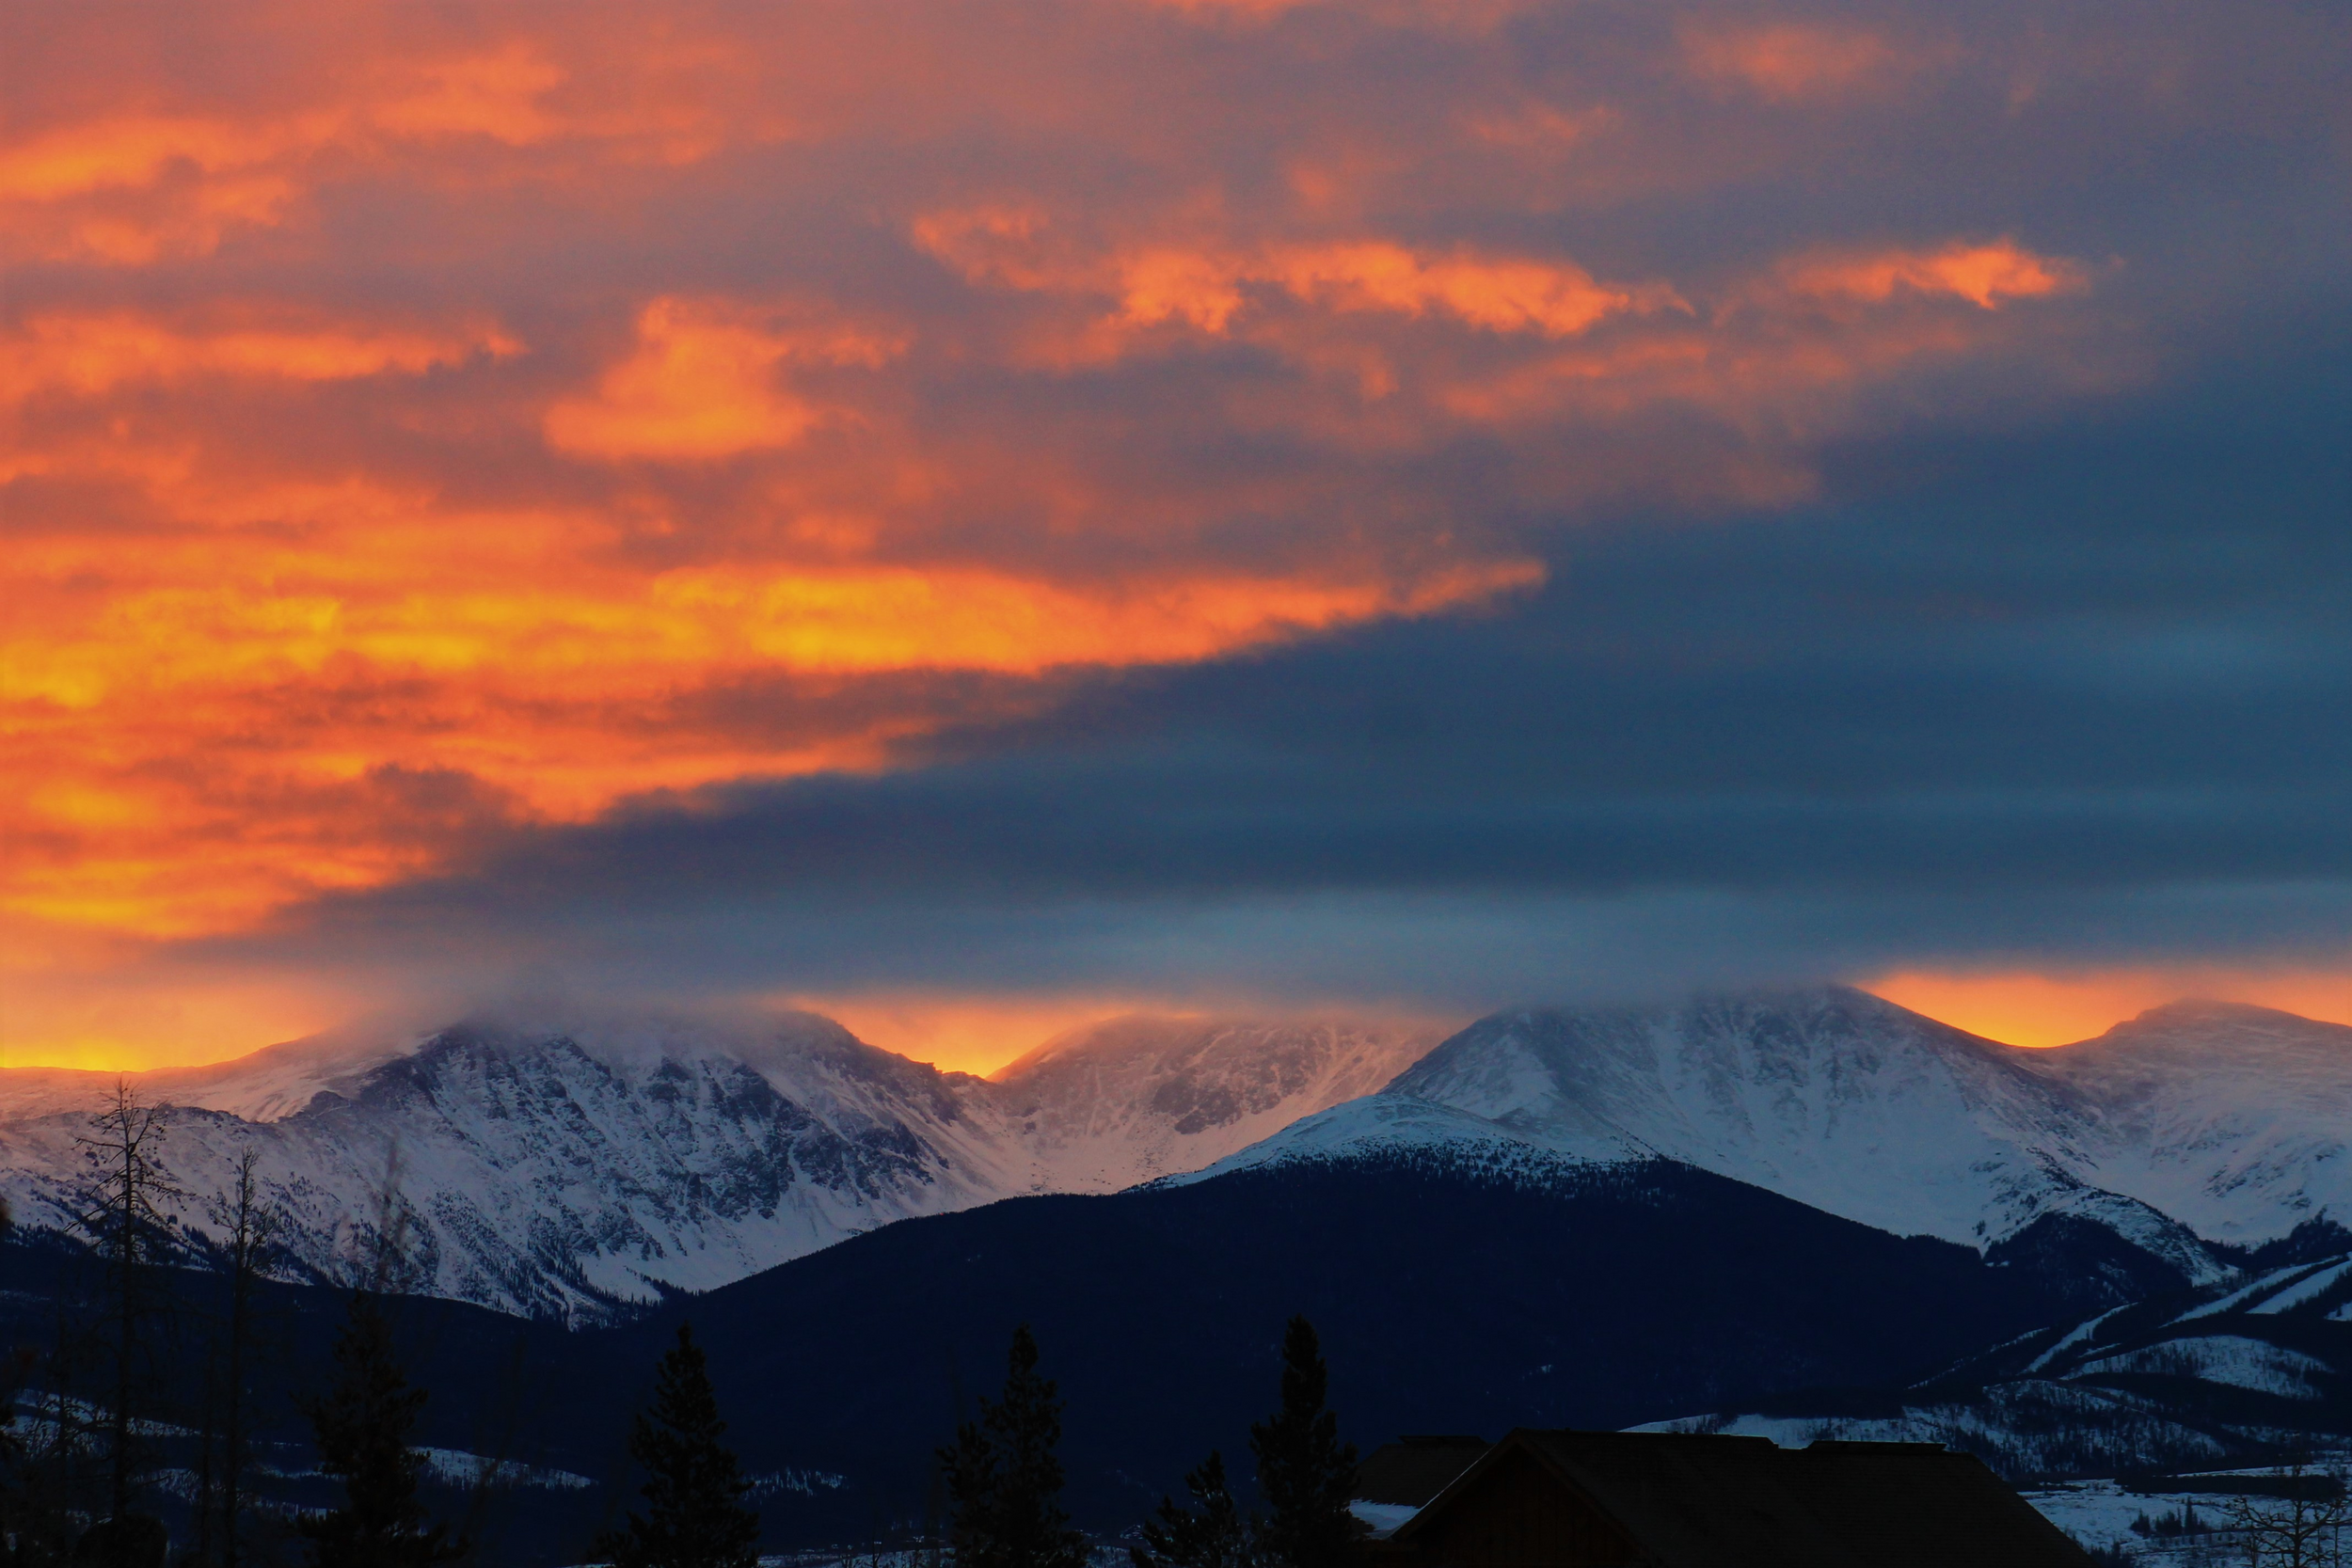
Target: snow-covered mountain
(2235,1121)
(1114,1103)
(2204,1118)
(568,1170)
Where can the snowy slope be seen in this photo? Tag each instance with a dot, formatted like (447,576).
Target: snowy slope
(1394,1128)
(564,1168)
(1106,1107)
(2235,1121)
(2229,1118)
(554,1174)
(261,1086)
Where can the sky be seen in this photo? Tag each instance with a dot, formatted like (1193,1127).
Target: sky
(974,516)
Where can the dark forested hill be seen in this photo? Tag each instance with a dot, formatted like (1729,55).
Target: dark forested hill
(1448,1299)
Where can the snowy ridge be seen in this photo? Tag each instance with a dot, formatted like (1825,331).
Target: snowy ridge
(1393,1128)
(2234,1120)
(537,1175)
(264,1086)
(1855,1105)
(572,1168)
(1132,1098)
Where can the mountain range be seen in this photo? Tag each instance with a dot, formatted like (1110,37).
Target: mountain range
(2194,1124)
(581,1167)
(1797,1211)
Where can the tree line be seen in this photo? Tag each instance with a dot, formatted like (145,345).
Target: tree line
(72,1477)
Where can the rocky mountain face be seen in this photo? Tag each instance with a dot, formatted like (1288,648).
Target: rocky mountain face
(573,1171)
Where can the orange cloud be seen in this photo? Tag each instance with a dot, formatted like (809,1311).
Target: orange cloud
(146,186)
(703,384)
(1986,275)
(1208,288)
(86,355)
(1792,62)
(1495,294)
(228,722)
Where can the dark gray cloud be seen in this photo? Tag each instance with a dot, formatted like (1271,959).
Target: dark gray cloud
(2078,695)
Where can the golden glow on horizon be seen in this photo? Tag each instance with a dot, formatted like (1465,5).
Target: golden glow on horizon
(67,1012)
(2039,1010)
(196,1022)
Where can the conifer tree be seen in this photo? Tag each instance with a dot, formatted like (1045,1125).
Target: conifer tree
(1305,1473)
(362,1427)
(694,1515)
(1212,1533)
(1004,1482)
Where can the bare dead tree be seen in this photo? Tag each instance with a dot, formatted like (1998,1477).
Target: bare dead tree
(2303,1527)
(120,1212)
(249,1228)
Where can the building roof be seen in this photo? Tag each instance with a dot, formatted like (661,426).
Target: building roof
(1412,1470)
(1699,1501)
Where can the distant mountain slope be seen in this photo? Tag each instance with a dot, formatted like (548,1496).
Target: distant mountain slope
(2229,1376)
(572,1170)
(1117,1103)
(2235,1121)
(1841,1099)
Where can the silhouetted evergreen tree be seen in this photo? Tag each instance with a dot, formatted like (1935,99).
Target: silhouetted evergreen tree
(1212,1533)
(694,1515)
(1004,1482)
(362,1427)
(1305,1473)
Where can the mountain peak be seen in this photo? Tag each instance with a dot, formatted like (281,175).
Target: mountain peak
(2197,1012)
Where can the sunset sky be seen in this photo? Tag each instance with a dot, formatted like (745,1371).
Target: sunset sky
(975,516)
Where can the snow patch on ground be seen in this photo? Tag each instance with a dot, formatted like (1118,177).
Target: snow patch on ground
(460,1469)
